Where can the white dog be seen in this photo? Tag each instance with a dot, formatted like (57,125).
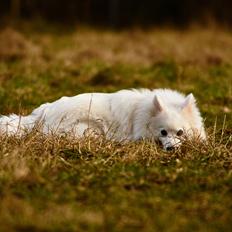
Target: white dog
(161,114)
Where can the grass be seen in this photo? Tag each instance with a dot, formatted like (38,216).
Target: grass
(57,184)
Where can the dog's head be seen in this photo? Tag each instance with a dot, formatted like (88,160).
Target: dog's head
(172,123)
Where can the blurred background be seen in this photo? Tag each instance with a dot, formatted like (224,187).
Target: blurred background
(52,48)
(119,13)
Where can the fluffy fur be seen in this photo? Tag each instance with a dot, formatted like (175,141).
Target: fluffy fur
(123,115)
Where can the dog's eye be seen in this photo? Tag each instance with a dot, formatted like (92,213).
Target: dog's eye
(164,132)
(179,132)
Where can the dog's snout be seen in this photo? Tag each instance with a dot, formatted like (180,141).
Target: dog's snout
(170,148)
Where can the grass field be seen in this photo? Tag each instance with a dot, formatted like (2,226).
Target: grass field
(54,184)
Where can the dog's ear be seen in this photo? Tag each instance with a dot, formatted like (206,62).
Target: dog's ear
(158,104)
(188,103)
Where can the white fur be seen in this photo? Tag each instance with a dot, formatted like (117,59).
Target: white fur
(123,115)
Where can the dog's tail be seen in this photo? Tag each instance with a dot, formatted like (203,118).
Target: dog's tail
(15,124)
(18,125)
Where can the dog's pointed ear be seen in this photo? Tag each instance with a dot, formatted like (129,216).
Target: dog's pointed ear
(158,104)
(188,103)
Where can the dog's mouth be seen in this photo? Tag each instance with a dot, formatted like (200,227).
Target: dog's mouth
(169,146)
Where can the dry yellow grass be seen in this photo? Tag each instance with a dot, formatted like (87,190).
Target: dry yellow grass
(191,46)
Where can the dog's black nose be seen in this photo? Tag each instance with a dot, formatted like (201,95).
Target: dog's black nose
(170,148)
